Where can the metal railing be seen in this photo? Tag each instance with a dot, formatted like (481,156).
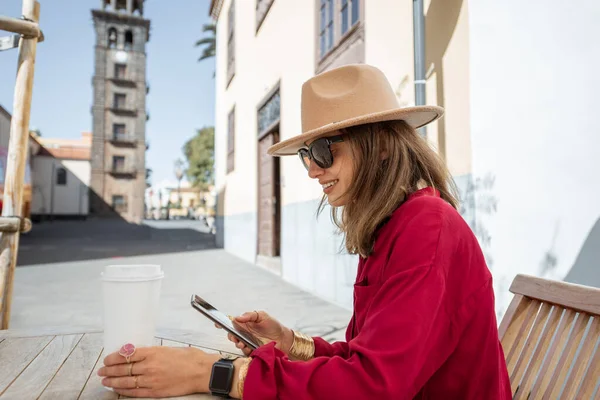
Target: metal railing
(123,138)
(127,169)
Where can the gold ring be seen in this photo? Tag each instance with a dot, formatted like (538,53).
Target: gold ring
(257,316)
(135,380)
(131,369)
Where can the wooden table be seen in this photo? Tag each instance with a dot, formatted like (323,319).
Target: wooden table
(62,363)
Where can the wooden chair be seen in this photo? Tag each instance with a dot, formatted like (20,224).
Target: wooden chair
(550,339)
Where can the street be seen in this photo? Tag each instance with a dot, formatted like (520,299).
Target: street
(61,241)
(57,282)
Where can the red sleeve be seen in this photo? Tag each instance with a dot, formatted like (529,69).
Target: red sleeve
(326,349)
(400,345)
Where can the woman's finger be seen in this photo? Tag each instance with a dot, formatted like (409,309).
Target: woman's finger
(124,382)
(232,338)
(115,358)
(247,351)
(117,370)
(251,316)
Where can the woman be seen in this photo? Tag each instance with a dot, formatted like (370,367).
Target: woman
(424,325)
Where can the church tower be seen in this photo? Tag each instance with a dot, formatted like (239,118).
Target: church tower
(118,175)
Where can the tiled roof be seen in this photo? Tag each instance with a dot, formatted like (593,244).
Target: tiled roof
(67,149)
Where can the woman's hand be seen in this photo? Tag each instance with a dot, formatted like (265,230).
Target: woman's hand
(159,372)
(264,329)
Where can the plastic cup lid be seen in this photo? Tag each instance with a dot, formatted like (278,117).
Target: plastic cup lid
(132,273)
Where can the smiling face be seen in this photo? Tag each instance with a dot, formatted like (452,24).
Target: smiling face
(374,169)
(335,180)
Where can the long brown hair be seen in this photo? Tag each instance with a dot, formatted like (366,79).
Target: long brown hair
(381,184)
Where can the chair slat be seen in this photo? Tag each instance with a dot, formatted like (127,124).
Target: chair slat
(519,329)
(550,335)
(517,306)
(560,373)
(562,334)
(582,360)
(591,378)
(540,352)
(529,347)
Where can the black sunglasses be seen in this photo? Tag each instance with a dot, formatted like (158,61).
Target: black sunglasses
(320,151)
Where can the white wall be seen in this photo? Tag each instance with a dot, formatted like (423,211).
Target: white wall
(534,84)
(52,199)
(282,51)
(262,60)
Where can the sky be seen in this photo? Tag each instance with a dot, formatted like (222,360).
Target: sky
(181,97)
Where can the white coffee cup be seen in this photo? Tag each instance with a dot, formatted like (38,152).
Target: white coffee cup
(131,300)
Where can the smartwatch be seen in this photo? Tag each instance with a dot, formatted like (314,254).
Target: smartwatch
(221,377)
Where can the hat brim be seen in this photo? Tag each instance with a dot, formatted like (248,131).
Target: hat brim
(414,116)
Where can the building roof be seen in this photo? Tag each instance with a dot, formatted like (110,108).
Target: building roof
(66,149)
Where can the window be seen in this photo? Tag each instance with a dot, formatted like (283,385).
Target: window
(120,71)
(119,101)
(119,203)
(128,40)
(334,29)
(231,141)
(119,131)
(118,163)
(231,42)
(350,13)
(112,38)
(269,114)
(262,9)
(61,176)
(326,31)
(355,12)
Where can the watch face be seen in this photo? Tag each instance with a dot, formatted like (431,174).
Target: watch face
(220,378)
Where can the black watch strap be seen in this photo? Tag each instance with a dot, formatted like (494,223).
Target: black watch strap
(221,377)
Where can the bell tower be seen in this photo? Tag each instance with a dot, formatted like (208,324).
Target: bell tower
(118,167)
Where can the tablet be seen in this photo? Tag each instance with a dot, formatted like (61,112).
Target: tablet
(221,319)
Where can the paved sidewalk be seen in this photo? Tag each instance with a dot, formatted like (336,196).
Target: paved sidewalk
(69,293)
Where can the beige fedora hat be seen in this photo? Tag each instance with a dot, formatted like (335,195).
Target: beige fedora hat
(351,95)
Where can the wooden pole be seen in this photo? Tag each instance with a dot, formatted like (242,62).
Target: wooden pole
(17,157)
(21,26)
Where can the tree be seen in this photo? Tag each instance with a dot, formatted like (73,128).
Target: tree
(209,42)
(200,154)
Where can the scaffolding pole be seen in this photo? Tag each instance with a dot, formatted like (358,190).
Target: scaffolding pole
(22,26)
(17,151)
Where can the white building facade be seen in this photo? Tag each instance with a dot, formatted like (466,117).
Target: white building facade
(61,178)
(506,171)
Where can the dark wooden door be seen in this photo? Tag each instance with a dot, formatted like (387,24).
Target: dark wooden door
(268,198)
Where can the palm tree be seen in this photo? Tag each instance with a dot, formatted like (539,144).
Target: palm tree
(209,42)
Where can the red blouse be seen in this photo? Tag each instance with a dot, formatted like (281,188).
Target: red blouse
(424,325)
